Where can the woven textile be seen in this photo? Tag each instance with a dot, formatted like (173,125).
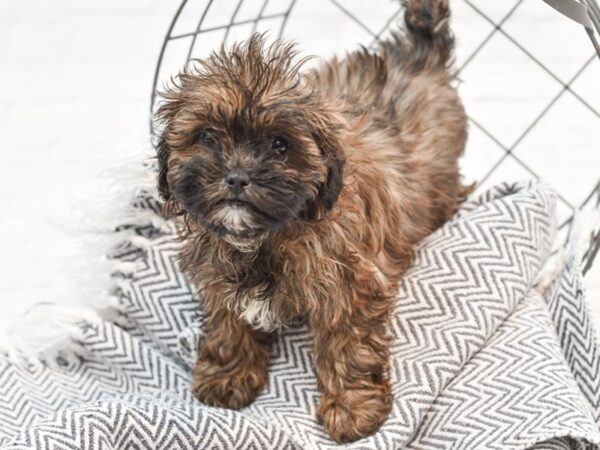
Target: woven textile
(481,358)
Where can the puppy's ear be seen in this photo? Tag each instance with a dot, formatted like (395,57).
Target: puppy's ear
(171,207)
(330,190)
(163,122)
(162,155)
(327,139)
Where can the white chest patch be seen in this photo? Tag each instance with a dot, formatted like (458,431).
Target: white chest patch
(258,314)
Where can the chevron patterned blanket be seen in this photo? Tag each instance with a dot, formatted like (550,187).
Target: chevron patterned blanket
(483,357)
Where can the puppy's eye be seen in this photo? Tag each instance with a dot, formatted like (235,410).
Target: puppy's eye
(205,136)
(280,145)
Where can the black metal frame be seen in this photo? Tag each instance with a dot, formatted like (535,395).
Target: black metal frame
(199,30)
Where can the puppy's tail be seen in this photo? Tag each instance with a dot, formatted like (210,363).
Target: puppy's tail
(427,43)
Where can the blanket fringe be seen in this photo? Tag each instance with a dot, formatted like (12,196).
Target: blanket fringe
(50,331)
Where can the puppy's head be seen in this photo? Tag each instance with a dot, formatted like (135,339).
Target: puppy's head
(246,145)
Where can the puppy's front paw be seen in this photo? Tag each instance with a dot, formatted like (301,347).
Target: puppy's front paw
(227,387)
(355,414)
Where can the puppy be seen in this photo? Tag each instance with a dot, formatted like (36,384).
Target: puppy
(303,193)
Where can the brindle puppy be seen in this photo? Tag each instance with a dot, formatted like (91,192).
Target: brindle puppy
(304,193)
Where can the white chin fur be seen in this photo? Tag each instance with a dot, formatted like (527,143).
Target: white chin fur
(235,218)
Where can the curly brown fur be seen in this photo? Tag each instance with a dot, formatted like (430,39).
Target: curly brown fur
(305,194)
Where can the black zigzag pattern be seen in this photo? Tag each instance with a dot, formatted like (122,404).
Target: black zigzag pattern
(479,359)
(494,408)
(576,334)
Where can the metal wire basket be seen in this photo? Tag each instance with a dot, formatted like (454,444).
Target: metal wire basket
(200,26)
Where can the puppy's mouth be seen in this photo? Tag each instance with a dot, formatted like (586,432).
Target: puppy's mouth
(239,204)
(236,203)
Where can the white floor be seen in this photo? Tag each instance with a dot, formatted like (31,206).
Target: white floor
(76,80)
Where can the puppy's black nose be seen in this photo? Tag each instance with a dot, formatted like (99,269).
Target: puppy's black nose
(237,180)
